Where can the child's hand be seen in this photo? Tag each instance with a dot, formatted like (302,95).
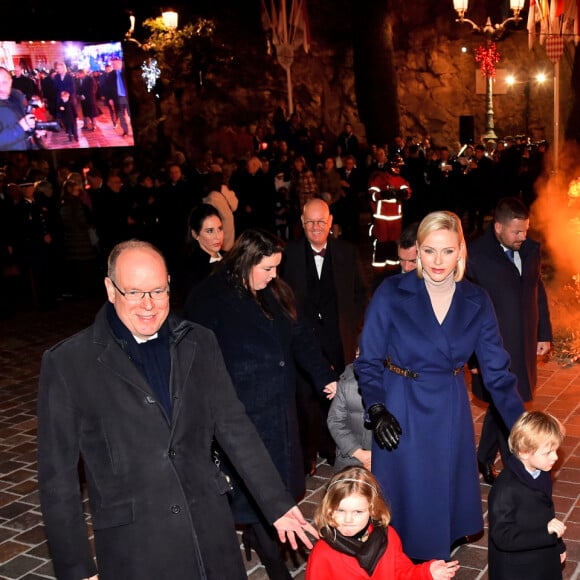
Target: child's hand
(562,557)
(557,527)
(364,457)
(441,570)
(330,390)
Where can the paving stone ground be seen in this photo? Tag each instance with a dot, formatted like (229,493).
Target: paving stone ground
(23,550)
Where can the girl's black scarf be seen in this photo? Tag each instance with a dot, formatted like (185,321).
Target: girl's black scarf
(367,552)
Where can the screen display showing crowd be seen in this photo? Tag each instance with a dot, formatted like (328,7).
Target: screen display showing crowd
(76,91)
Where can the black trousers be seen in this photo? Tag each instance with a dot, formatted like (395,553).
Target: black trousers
(312,411)
(494,436)
(263,540)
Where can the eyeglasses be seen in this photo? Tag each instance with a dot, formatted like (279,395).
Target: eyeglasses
(158,295)
(312,223)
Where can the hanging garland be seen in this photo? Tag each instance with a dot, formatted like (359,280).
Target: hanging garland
(487,57)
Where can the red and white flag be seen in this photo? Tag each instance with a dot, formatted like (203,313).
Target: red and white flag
(554,47)
(533,18)
(557,18)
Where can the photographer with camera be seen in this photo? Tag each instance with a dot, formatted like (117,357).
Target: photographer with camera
(16,125)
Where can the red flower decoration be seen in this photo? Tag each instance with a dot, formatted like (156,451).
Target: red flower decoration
(487,57)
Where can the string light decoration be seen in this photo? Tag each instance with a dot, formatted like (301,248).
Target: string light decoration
(487,56)
(150,72)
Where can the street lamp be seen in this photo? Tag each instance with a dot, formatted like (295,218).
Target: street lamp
(170,19)
(164,27)
(539,79)
(491,32)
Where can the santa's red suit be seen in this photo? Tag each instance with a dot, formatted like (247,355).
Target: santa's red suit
(387,191)
(326,563)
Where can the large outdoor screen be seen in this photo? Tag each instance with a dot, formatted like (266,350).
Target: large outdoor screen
(38,60)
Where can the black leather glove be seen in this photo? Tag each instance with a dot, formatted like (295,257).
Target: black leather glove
(385,427)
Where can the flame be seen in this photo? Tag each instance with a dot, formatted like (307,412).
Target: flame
(555,216)
(574,188)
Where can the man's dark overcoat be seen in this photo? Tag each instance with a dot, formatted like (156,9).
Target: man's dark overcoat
(350,287)
(520,303)
(261,356)
(520,507)
(158,502)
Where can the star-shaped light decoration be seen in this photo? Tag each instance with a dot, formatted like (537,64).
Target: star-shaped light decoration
(150,73)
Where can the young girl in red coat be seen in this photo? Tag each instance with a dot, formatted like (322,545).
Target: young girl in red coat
(356,541)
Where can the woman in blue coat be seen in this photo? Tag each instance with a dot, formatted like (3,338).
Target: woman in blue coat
(253,314)
(419,332)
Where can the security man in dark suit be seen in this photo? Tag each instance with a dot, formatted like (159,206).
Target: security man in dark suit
(508,265)
(327,277)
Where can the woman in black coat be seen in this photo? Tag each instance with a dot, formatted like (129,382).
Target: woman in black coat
(207,233)
(253,315)
(88,89)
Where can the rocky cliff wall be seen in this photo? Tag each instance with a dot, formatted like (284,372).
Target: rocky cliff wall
(433,63)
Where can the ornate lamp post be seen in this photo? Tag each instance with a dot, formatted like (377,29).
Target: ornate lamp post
(488,56)
(538,79)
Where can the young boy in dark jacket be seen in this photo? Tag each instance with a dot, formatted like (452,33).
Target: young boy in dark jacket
(525,537)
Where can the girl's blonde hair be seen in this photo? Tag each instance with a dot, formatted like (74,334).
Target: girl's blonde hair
(532,429)
(346,482)
(442,220)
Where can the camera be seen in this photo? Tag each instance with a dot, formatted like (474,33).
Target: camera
(53,126)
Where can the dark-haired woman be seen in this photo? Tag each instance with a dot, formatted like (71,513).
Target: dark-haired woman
(253,315)
(207,234)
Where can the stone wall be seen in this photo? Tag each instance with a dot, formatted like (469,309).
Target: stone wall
(436,83)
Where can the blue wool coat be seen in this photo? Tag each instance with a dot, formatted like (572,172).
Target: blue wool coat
(431,479)
(260,355)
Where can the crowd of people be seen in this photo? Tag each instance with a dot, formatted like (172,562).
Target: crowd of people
(54,100)
(265,188)
(265,252)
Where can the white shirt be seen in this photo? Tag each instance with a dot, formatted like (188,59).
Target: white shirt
(318,261)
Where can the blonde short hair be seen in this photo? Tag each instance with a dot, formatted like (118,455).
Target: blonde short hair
(442,220)
(346,482)
(532,429)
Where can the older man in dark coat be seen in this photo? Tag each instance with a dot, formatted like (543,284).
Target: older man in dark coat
(331,293)
(139,396)
(521,305)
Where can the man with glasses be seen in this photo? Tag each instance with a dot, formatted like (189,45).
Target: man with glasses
(327,277)
(138,397)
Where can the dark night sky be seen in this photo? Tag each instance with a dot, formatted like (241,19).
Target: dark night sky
(102,20)
(63,20)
